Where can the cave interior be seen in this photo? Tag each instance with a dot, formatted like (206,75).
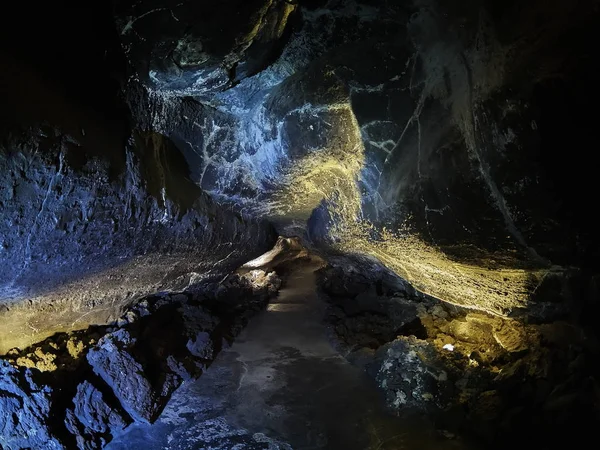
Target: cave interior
(299,224)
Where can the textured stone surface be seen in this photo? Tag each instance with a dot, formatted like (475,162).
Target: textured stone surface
(105,378)
(94,213)
(202,47)
(409,376)
(92,420)
(83,246)
(112,361)
(493,378)
(428,145)
(25,407)
(386,127)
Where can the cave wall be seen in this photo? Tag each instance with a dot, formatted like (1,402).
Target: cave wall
(199,48)
(422,134)
(95,210)
(149,147)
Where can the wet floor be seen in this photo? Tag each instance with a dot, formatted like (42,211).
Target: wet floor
(282,386)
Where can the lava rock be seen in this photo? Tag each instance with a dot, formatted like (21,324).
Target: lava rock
(199,48)
(24,411)
(336,283)
(111,360)
(92,420)
(54,259)
(409,372)
(201,346)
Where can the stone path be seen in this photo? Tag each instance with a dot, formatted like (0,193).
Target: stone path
(282,386)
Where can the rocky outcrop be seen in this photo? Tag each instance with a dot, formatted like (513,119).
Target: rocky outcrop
(25,409)
(92,420)
(112,361)
(96,212)
(78,245)
(103,379)
(492,378)
(436,146)
(385,130)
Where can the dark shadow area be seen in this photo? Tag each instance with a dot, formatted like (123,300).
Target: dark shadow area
(495,380)
(63,65)
(444,291)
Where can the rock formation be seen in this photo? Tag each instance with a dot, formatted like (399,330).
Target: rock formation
(80,389)
(436,154)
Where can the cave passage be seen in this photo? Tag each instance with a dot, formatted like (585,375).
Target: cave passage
(283,383)
(299,224)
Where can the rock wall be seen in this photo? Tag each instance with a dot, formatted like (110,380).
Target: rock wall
(493,380)
(95,210)
(443,145)
(198,48)
(78,247)
(418,133)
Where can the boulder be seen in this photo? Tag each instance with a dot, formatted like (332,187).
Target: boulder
(411,375)
(112,361)
(24,411)
(92,420)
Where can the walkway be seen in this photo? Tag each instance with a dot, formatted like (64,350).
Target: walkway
(281,386)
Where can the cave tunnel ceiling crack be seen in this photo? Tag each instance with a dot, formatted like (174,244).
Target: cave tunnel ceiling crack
(352,141)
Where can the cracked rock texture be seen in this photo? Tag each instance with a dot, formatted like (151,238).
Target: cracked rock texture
(418,133)
(476,375)
(92,419)
(435,152)
(105,378)
(202,47)
(96,213)
(25,407)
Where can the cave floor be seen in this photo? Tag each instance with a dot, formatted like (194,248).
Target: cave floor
(282,385)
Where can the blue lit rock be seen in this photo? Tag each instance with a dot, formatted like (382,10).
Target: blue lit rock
(80,244)
(380,130)
(95,213)
(24,411)
(409,372)
(114,377)
(202,47)
(201,346)
(113,362)
(444,140)
(92,420)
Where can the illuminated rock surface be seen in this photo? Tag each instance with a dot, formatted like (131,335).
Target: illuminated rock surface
(25,410)
(106,378)
(95,213)
(262,384)
(400,136)
(498,378)
(437,155)
(384,130)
